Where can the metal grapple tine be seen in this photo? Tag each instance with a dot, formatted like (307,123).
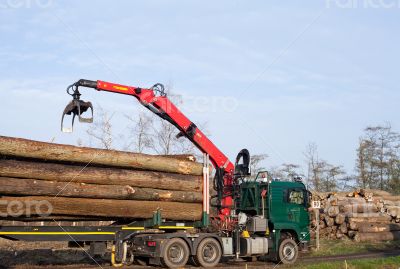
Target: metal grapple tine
(67,111)
(85,106)
(67,129)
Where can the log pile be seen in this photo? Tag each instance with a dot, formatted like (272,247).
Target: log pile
(362,215)
(86,184)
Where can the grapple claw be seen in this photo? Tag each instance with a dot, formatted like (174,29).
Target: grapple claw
(76,108)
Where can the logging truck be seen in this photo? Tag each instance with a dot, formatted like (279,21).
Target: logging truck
(255,217)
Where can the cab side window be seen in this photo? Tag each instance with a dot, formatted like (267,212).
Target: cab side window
(296,197)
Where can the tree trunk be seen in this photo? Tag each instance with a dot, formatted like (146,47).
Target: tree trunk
(166,195)
(351,234)
(340,218)
(381,218)
(333,201)
(185,157)
(26,187)
(393,198)
(329,221)
(96,175)
(332,211)
(61,223)
(22,186)
(375,192)
(42,205)
(343,228)
(383,236)
(393,211)
(359,208)
(378,227)
(56,218)
(19,147)
(367,215)
(353,225)
(339,234)
(350,201)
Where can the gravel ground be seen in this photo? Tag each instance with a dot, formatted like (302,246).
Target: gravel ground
(18,254)
(57,255)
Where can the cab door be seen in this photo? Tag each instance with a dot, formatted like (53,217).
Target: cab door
(296,206)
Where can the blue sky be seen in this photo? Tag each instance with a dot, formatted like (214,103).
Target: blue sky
(271,76)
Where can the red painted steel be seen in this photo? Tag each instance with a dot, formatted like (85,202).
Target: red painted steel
(147,96)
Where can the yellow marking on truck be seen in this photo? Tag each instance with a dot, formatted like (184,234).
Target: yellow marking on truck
(120,88)
(54,233)
(132,228)
(175,227)
(160,227)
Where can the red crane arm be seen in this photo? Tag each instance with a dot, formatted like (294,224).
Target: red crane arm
(156,101)
(166,109)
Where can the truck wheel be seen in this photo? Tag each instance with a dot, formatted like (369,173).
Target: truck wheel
(288,251)
(208,253)
(175,253)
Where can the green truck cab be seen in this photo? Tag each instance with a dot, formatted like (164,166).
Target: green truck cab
(281,206)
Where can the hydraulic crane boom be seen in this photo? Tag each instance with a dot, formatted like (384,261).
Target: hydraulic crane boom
(156,100)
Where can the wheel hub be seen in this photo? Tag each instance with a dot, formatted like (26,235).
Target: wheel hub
(175,253)
(209,253)
(289,252)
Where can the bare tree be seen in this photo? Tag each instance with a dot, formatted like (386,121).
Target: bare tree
(346,182)
(148,133)
(164,135)
(141,138)
(275,172)
(363,178)
(313,166)
(290,170)
(331,175)
(322,175)
(377,157)
(101,130)
(255,163)
(394,171)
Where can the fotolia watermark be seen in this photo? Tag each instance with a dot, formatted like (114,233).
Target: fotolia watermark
(14,4)
(201,104)
(15,208)
(355,210)
(363,3)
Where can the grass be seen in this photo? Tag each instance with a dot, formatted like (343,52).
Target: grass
(340,247)
(381,263)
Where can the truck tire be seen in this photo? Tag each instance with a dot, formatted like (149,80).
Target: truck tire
(175,253)
(288,251)
(208,253)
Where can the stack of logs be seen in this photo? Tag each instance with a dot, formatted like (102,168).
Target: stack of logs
(87,184)
(362,215)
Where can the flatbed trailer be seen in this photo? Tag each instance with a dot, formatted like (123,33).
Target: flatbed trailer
(272,222)
(83,233)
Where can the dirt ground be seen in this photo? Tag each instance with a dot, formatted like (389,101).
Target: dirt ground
(45,255)
(16,254)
